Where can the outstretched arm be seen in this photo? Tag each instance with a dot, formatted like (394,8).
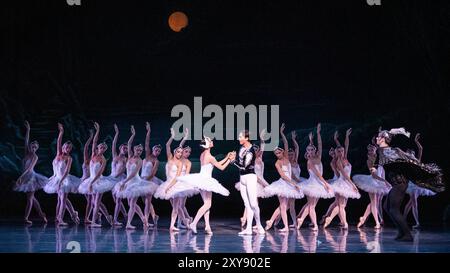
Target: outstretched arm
(94,142)
(169,142)
(148,152)
(114,143)
(86,146)
(296,147)
(186,135)
(222,164)
(319,141)
(130,142)
(59,141)
(347,141)
(263,143)
(336,138)
(283,138)
(27,138)
(419,147)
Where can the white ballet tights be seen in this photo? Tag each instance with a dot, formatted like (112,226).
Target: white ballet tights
(249,194)
(204,210)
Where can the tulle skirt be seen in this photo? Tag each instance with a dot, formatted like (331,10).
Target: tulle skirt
(204,183)
(136,187)
(282,188)
(414,189)
(31,182)
(314,188)
(344,189)
(69,185)
(371,185)
(179,189)
(259,189)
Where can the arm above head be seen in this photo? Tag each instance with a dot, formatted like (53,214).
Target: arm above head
(130,142)
(185,137)
(319,141)
(94,142)
(262,147)
(296,146)
(114,143)
(284,139)
(336,138)
(27,138)
(347,141)
(59,140)
(168,143)
(148,151)
(419,147)
(86,146)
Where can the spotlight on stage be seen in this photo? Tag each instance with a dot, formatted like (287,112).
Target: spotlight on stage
(177,21)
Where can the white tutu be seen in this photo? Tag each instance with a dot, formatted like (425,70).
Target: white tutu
(371,185)
(282,188)
(313,187)
(136,187)
(69,185)
(179,189)
(414,189)
(259,189)
(344,189)
(32,181)
(204,180)
(105,184)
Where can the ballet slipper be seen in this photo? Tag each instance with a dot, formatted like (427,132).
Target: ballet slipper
(172,229)
(28,222)
(75,218)
(243,221)
(193,228)
(361,222)
(327,222)
(129,226)
(155,220)
(299,223)
(44,217)
(260,230)
(208,231)
(117,224)
(245,232)
(61,223)
(285,229)
(417,226)
(345,226)
(316,228)
(95,225)
(377,226)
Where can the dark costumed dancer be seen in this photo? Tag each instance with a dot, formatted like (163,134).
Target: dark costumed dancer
(401,167)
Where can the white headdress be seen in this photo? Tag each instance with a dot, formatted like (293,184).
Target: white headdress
(207,141)
(399,131)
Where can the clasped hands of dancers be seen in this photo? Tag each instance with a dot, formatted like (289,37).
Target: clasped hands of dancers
(396,173)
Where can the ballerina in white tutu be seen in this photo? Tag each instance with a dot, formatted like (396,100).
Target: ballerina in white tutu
(30,181)
(415,191)
(118,173)
(97,184)
(285,187)
(86,174)
(332,154)
(174,190)
(259,172)
(295,175)
(375,185)
(148,171)
(316,186)
(205,183)
(134,186)
(343,186)
(62,182)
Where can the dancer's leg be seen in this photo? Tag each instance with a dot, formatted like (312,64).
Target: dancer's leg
(202,210)
(415,209)
(30,196)
(283,208)
(312,213)
(291,203)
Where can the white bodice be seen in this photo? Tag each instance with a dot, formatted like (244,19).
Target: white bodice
(147,168)
(319,168)
(94,167)
(207,169)
(287,170)
(116,167)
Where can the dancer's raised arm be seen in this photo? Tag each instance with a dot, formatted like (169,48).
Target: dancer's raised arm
(336,138)
(263,143)
(296,147)
(94,142)
(319,141)
(27,138)
(86,147)
(419,147)
(114,142)
(347,141)
(148,151)
(186,135)
(284,139)
(169,142)
(59,140)
(130,142)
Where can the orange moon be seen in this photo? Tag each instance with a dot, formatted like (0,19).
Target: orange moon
(177,21)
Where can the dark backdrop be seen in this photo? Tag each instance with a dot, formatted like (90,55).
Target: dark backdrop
(343,63)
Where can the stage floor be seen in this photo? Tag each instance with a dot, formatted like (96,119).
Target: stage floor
(16,237)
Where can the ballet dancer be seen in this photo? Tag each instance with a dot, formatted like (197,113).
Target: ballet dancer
(97,184)
(205,183)
(62,182)
(316,186)
(415,191)
(150,165)
(285,187)
(332,154)
(86,174)
(134,186)
(173,190)
(375,185)
(30,181)
(401,167)
(259,172)
(118,173)
(248,188)
(343,186)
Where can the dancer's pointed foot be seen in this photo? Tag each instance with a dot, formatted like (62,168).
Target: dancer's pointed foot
(193,228)
(44,217)
(245,232)
(327,222)
(172,229)
(268,224)
(243,221)
(345,226)
(117,224)
(285,229)
(292,226)
(315,228)
(129,226)
(75,218)
(260,230)
(155,220)
(377,226)
(417,226)
(110,220)
(62,223)
(28,222)
(299,223)
(361,222)
(95,225)
(208,231)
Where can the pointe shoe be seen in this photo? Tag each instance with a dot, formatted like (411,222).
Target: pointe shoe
(245,232)
(345,226)
(44,217)
(299,223)
(155,220)
(172,229)
(285,229)
(75,218)
(260,230)
(417,226)
(377,226)
(193,228)
(129,226)
(61,223)
(28,222)
(208,231)
(110,220)
(327,222)
(117,224)
(292,226)
(361,222)
(254,227)
(315,228)
(95,225)
(268,225)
